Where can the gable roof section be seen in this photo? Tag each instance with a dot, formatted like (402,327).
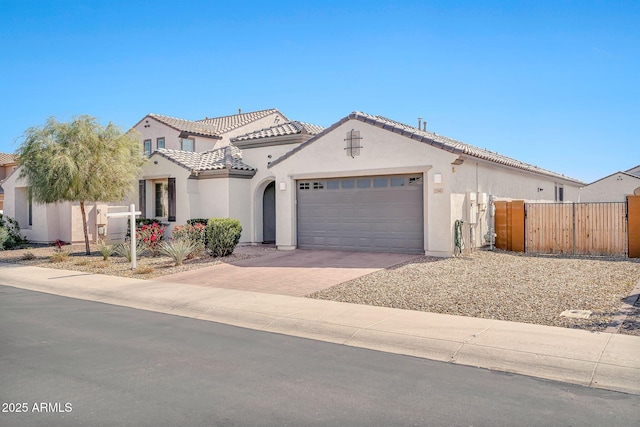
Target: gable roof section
(630,175)
(212,127)
(429,138)
(188,126)
(6,158)
(634,171)
(227,123)
(284,129)
(228,157)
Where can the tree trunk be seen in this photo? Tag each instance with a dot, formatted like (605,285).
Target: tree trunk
(84,228)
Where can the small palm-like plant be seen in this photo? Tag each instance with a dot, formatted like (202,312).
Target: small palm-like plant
(105,250)
(177,250)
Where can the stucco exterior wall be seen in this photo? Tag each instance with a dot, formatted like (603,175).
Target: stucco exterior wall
(171,136)
(614,188)
(383,153)
(259,158)
(503,183)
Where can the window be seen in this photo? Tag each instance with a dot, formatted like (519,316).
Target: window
(559,193)
(364,183)
(187,144)
(303,186)
(397,182)
(318,185)
(333,184)
(348,183)
(160,143)
(161,199)
(147,147)
(415,180)
(380,182)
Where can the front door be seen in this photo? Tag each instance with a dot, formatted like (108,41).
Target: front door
(269,214)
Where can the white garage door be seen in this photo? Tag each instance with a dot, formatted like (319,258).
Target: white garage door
(372,214)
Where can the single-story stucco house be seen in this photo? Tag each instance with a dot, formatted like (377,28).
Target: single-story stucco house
(366,183)
(613,188)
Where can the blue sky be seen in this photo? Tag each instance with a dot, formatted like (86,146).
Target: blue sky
(555,84)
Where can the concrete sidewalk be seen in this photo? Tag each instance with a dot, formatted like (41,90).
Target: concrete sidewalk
(600,360)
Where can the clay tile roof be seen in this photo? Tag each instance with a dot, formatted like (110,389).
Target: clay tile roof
(452,145)
(430,138)
(288,128)
(209,160)
(6,158)
(228,123)
(189,126)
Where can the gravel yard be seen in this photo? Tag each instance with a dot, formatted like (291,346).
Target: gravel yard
(501,285)
(147,267)
(497,285)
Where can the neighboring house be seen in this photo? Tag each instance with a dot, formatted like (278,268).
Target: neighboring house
(8,164)
(613,188)
(367,183)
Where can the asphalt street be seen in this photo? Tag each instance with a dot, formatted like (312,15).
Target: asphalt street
(71,362)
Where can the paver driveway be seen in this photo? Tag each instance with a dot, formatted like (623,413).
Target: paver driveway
(295,273)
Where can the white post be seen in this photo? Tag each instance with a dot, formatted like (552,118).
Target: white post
(132,220)
(132,226)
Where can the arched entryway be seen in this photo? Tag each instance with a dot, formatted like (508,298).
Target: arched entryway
(269,213)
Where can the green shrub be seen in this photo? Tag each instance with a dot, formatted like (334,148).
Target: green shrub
(4,236)
(223,235)
(194,221)
(150,236)
(14,238)
(194,233)
(139,223)
(177,250)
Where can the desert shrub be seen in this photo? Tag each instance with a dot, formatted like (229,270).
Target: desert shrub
(59,256)
(150,236)
(105,250)
(144,269)
(124,250)
(4,236)
(177,250)
(14,238)
(81,262)
(194,221)
(139,223)
(194,233)
(28,256)
(223,235)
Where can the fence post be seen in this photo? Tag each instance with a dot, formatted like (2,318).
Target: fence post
(633,226)
(517,226)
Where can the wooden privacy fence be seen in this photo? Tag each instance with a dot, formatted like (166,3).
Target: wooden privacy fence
(570,228)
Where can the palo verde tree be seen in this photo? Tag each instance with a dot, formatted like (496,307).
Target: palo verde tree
(79,161)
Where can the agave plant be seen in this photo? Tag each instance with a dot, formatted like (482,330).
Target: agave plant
(177,250)
(124,249)
(106,250)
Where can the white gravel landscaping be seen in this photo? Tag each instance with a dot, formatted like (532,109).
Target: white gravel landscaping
(500,285)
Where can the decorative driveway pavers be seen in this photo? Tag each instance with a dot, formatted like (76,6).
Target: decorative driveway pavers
(295,273)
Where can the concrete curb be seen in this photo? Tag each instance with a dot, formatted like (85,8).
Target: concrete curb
(601,360)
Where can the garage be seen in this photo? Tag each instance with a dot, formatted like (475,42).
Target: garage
(370,214)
